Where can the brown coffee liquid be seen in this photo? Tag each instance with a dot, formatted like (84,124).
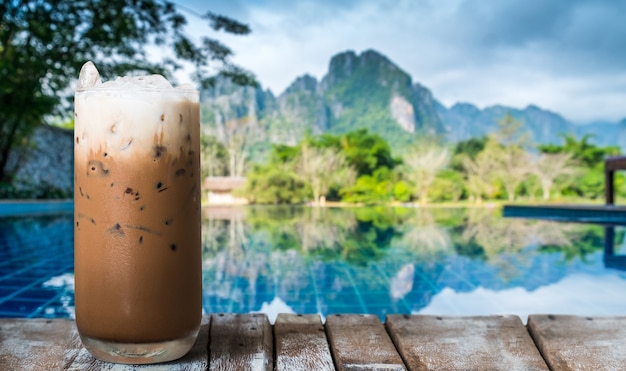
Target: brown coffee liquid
(137,242)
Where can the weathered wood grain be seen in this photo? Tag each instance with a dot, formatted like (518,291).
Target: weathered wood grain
(34,344)
(580,343)
(356,342)
(301,343)
(240,342)
(195,360)
(360,342)
(464,343)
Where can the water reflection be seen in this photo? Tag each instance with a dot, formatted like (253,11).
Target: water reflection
(386,260)
(354,260)
(613,243)
(36,266)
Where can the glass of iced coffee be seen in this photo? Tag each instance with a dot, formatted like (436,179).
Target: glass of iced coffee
(138,275)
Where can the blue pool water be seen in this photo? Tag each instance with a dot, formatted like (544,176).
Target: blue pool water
(361,260)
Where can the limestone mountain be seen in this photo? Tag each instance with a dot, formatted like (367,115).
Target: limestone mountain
(368,90)
(359,91)
(464,121)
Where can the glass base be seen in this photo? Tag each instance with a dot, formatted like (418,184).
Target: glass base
(139,353)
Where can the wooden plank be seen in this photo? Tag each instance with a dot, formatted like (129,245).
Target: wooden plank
(240,342)
(34,344)
(360,342)
(195,360)
(301,343)
(464,343)
(580,343)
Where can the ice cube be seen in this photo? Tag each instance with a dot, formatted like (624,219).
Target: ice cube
(89,76)
(153,82)
(138,82)
(186,86)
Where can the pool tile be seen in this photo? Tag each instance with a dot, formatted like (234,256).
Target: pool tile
(37,294)
(23,306)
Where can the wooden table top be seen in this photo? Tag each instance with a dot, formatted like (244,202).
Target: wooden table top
(347,342)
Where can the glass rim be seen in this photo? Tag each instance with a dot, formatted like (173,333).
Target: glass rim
(137,89)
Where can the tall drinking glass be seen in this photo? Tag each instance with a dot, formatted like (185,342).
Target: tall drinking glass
(138,283)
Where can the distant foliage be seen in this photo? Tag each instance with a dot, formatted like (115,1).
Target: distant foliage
(271,185)
(502,166)
(590,160)
(44,43)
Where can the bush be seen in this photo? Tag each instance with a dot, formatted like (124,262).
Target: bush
(448,186)
(274,186)
(402,191)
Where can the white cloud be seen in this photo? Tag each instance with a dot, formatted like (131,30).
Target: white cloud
(274,308)
(578,293)
(563,56)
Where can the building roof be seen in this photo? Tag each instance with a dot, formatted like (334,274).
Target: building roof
(223,183)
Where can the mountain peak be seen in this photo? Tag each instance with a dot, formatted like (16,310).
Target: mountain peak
(368,90)
(370,63)
(303,83)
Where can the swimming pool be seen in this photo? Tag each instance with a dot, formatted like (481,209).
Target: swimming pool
(352,260)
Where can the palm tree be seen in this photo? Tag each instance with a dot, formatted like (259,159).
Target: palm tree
(549,166)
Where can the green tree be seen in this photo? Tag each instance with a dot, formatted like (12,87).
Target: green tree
(271,185)
(480,172)
(372,189)
(213,156)
(582,151)
(466,148)
(547,167)
(511,158)
(365,151)
(590,157)
(425,161)
(447,186)
(43,44)
(323,167)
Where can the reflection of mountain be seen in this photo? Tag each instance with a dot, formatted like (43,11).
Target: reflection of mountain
(384,260)
(374,260)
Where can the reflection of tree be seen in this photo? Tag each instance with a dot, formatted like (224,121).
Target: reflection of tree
(356,236)
(493,233)
(323,228)
(228,256)
(587,240)
(424,236)
(213,236)
(370,240)
(501,239)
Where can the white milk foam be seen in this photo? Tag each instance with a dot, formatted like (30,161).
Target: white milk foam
(132,115)
(89,78)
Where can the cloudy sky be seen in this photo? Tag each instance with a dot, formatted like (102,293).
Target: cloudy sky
(567,56)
